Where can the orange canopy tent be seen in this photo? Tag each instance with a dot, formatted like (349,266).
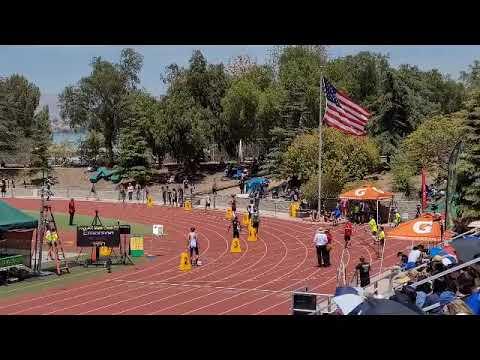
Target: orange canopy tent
(365,193)
(426,228)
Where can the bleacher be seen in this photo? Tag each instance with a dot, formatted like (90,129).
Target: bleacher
(431,287)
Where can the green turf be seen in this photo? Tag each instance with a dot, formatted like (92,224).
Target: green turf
(77,273)
(62,220)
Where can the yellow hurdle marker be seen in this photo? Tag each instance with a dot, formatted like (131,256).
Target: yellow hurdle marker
(188,205)
(235,247)
(245,220)
(229,214)
(252,234)
(185,264)
(149,201)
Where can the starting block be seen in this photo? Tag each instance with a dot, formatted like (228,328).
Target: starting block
(229,214)
(245,220)
(235,247)
(188,205)
(252,234)
(185,264)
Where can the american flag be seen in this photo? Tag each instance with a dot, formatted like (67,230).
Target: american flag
(342,113)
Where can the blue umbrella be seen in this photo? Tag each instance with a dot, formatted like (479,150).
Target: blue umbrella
(372,306)
(467,247)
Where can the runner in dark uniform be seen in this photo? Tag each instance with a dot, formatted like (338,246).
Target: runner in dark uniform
(235,225)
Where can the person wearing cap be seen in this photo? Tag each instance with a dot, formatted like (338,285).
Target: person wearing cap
(321,241)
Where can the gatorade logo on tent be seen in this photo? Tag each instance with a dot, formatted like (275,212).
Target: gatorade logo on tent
(360,192)
(378,190)
(423,227)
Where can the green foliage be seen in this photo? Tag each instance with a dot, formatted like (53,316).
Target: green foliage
(42,139)
(20,98)
(469,165)
(90,148)
(61,152)
(133,154)
(100,101)
(344,158)
(471,78)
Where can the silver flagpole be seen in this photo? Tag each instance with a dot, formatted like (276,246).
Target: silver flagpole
(320,120)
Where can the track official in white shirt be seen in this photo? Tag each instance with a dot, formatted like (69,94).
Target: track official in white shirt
(320,240)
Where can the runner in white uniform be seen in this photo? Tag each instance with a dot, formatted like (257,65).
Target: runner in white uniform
(193,245)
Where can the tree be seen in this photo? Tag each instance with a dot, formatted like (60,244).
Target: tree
(471,78)
(90,148)
(344,158)
(21,98)
(469,164)
(133,155)
(299,71)
(61,152)
(100,101)
(41,139)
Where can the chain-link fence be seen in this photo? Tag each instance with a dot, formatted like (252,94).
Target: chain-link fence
(406,208)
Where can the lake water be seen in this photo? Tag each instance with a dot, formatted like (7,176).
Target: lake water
(59,137)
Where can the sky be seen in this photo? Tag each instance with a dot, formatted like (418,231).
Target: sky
(52,68)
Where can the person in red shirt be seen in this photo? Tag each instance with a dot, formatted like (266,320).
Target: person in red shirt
(348,233)
(71,210)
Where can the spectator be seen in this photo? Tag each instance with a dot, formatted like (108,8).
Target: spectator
(138,191)
(123,193)
(130,191)
(214,187)
(403,259)
(147,191)
(419,211)
(458,307)
(164,195)
(169,196)
(174,197)
(4,187)
(180,196)
(413,258)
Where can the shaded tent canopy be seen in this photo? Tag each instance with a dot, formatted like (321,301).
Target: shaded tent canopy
(105,173)
(255,184)
(14,219)
(426,228)
(365,193)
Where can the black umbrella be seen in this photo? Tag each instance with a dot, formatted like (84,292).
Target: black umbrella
(382,307)
(467,247)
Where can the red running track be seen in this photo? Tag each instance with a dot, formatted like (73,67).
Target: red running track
(259,280)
